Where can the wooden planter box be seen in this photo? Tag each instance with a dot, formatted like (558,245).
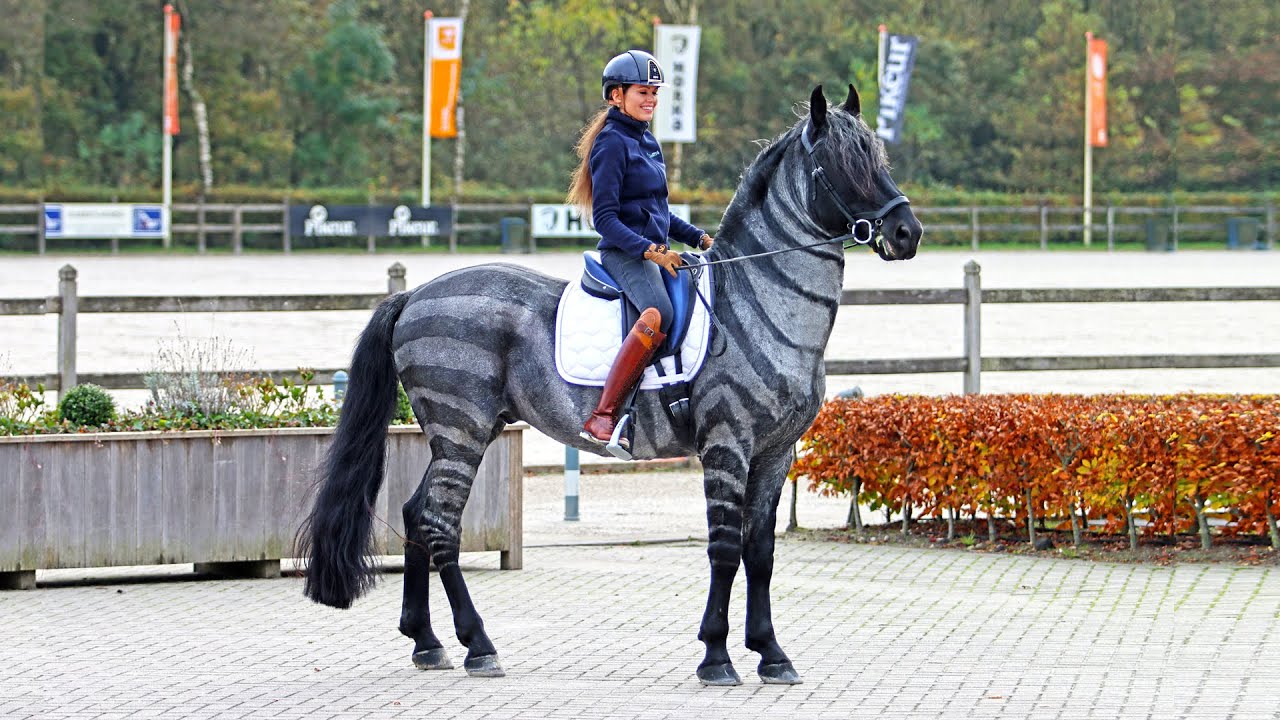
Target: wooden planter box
(228,501)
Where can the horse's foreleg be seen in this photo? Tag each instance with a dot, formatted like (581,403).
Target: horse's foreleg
(725,471)
(415,612)
(764,488)
(453,468)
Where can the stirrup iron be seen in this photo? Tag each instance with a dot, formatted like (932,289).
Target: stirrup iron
(620,433)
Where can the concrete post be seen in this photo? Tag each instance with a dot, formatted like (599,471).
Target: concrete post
(286,242)
(972,328)
(67,329)
(395,279)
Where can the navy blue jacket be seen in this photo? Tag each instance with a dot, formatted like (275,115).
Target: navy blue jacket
(629,189)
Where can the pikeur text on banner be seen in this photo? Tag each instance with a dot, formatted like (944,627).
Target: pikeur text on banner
(895,80)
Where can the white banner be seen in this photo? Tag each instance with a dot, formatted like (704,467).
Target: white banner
(566,221)
(676,47)
(116,220)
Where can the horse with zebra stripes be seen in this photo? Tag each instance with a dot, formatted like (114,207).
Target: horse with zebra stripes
(474,351)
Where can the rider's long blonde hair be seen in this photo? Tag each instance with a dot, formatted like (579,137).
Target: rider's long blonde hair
(580,185)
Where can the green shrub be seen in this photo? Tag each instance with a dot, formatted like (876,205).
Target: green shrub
(404,409)
(87,405)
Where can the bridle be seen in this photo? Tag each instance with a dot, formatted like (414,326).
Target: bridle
(872,220)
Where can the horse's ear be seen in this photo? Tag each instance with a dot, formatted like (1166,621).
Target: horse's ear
(853,104)
(818,108)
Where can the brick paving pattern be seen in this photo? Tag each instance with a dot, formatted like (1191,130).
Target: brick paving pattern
(610,632)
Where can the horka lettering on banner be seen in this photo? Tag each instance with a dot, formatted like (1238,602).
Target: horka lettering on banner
(895,80)
(676,47)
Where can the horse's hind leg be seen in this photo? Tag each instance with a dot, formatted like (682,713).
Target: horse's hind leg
(764,487)
(455,458)
(725,471)
(415,612)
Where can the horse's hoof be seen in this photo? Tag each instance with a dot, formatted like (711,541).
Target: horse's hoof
(484,666)
(778,674)
(718,675)
(433,659)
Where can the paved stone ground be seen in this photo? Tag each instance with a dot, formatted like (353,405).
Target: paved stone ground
(609,631)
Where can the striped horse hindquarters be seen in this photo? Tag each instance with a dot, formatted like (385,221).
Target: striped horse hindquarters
(485,346)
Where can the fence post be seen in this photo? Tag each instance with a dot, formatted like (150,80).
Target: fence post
(202,241)
(1044,226)
(1111,227)
(287,242)
(40,238)
(237,230)
(972,328)
(395,279)
(973,224)
(66,329)
(1175,227)
(1271,224)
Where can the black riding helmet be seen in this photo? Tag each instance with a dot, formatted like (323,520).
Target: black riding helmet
(633,67)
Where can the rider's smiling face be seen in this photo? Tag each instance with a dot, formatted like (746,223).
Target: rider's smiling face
(637,101)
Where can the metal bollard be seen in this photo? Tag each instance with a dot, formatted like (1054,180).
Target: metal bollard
(340,386)
(571,473)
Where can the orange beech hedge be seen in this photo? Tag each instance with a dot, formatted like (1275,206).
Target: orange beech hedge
(1101,461)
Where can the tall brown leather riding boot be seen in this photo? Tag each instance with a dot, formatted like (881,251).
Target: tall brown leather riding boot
(637,349)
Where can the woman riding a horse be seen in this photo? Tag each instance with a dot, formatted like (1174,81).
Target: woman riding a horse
(622,181)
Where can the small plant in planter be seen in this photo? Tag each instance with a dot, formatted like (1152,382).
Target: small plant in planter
(87,405)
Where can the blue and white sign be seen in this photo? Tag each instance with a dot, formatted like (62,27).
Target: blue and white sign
(566,221)
(148,221)
(53,221)
(105,221)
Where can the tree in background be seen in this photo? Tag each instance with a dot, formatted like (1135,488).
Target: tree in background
(304,93)
(341,102)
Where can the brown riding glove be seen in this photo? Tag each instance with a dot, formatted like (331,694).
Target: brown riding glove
(706,242)
(664,257)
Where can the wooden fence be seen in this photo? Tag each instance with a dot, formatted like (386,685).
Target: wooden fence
(68,305)
(265,225)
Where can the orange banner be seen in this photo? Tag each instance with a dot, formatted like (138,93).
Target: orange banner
(1096,87)
(172,25)
(444,36)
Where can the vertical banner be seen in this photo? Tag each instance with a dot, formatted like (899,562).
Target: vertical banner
(444,38)
(895,80)
(172,24)
(1096,92)
(676,47)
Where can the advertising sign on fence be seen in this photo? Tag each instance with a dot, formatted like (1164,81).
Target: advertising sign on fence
(365,220)
(104,221)
(566,221)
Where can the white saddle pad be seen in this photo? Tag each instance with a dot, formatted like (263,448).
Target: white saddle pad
(589,335)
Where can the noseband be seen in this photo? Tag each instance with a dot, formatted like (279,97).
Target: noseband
(871,220)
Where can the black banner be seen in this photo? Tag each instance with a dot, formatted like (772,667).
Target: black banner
(895,80)
(344,221)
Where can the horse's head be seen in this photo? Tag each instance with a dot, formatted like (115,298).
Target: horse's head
(853,190)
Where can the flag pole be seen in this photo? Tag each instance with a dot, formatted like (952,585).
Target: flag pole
(1088,149)
(884,39)
(426,109)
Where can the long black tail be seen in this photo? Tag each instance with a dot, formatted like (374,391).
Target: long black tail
(336,537)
